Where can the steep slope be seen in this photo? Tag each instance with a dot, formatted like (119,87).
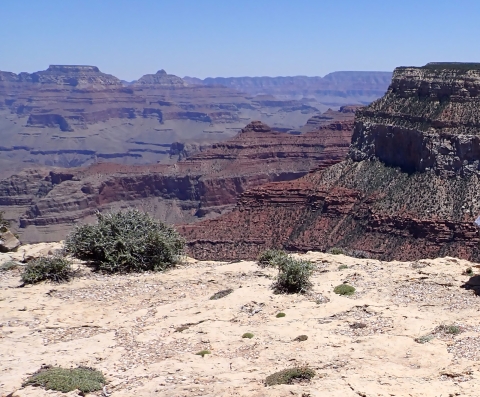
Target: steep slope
(335,89)
(410,187)
(71,116)
(46,203)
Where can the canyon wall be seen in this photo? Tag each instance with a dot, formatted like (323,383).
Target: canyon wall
(44,204)
(409,188)
(71,116)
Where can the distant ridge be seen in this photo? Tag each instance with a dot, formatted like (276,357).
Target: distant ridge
(360,87)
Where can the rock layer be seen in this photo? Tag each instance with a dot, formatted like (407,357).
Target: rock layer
(45,203)
(410,187)
(70,116)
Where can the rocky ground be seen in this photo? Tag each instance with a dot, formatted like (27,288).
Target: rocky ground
(143,330)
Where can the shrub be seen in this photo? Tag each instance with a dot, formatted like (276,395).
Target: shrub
(344,289)
(221,294)
(449,329)
(293,276)
(469,271)
(337,251)
(342,267)
(424,339)
(248,335)
(301,338)
(66,380)
(271,258)
(287,376)
(280,315)
(203,353)
(129,241)
(53,268)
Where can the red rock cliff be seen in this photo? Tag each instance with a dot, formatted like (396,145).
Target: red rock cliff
(409,189)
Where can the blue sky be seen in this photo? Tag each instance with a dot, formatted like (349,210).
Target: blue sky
(236,38)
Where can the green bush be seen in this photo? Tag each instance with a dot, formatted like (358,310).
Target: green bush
(271,258)
(248,335)
(279,315)
(337,251)
(53,268)
(342,267)
(293,276)
(203,353)
(424,339)
(287,376)
(344,289)
(129,241)
(66,380)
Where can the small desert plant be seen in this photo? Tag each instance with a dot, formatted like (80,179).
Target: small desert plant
(129,241)
(342,267)
(424,339)
(52,268)
(344,289)
(337,251)
(279,315)
(449,329)
(301,338)
(287,376)
(203,353)
(221,294)
(66,380)
(271,258)
(469,272)
(248,335)
(293,276)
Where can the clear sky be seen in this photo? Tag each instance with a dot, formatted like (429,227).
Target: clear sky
(129,38)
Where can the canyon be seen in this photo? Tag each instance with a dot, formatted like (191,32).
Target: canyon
(43,204)
(74,115)
(408,189)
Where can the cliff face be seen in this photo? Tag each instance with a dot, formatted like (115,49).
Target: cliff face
(45,204)
(410,187)
(429,120)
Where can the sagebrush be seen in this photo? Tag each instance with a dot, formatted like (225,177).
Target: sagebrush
(67,379)
(293,276)
(288,376)
(54,268)
(126,241)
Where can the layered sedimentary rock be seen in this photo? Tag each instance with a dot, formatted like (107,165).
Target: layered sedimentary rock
(71,115)
(44,204)
(409,189)
(335,89)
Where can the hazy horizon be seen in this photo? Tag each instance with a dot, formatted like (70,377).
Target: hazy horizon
(236,39)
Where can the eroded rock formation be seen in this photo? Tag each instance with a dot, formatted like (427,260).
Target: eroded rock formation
(71,116)
(410,187)
(46,203)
